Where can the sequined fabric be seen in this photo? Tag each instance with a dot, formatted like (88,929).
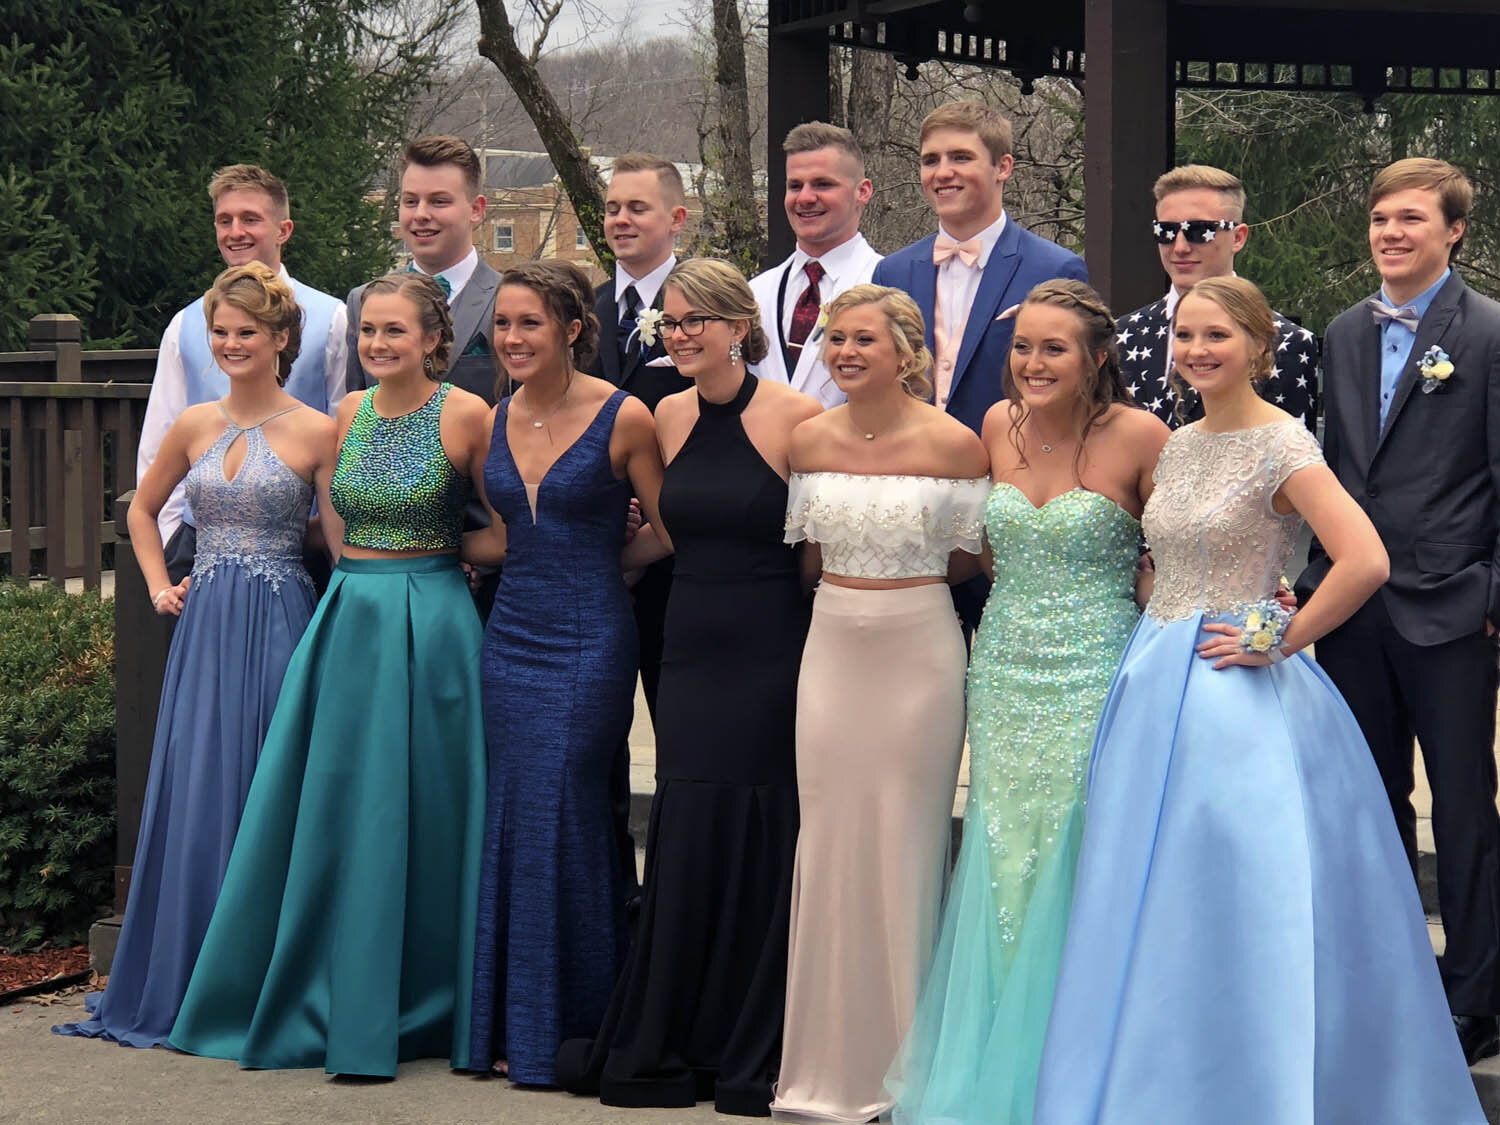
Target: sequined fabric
(257,519)
(394,485)
(1058,616)
(1217,543)
(886,526)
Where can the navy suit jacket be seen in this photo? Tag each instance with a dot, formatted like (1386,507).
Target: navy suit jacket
(1020,261)
(648,383)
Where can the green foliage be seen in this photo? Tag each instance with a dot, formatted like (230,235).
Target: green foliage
(57,770)
(113,116)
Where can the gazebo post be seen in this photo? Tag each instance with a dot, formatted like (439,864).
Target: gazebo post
(1129,140)
(796,91)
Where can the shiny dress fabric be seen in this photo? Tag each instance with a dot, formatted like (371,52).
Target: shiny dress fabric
(249,601)
(697,1012)
(344,934)
(1246,944)
(1058,616)
(559,671)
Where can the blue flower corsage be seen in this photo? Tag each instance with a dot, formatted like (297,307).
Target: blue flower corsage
(1262,628)
(1436,369)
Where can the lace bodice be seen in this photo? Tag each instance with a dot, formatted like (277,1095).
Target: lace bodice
(886,526)
(258,519)
(1217,542)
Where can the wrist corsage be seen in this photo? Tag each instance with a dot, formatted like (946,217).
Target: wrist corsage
(1262,629)
(1436,369)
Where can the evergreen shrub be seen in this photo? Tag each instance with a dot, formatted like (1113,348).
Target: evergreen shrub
(57,770)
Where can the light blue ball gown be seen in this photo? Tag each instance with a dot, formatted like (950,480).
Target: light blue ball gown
(1246,945)
(1058,616)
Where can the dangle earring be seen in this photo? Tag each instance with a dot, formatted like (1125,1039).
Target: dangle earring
(735,354)
(428,368)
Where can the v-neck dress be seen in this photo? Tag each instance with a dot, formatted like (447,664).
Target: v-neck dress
(558,672)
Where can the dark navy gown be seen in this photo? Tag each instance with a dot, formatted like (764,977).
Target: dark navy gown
(558,672)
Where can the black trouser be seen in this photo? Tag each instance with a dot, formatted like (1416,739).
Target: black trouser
(1444,695)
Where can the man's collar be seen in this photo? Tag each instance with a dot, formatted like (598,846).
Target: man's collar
(988,237)
(1423,300)
(458,274)
(647,287)
(835,261)
(1173,297)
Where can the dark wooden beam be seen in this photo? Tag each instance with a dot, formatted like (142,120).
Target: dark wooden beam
(797,91)
(1129,129)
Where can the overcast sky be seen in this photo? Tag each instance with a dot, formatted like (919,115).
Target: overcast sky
(640,19)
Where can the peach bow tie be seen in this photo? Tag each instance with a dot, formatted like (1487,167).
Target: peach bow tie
(968,250)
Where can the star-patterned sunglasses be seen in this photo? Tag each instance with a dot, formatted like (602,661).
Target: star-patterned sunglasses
(1194,230)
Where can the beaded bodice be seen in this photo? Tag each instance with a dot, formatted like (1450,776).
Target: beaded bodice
(258,518)
(886,526)
(394,486)
(1217,543)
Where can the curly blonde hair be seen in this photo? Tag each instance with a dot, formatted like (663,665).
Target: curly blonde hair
(258,291)
(908,332)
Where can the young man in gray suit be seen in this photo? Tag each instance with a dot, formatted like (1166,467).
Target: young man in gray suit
(441,204)
(1412,407)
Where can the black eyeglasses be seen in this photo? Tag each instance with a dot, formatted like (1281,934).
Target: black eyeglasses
(1194,230)
(690,325)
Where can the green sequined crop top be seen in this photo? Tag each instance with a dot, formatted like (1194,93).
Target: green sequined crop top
(394,486)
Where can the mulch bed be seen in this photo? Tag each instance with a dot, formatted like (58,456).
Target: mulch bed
(18,970)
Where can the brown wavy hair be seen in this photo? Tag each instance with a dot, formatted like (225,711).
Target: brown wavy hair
(432,313)
(908,332)
(257,290)
(1099,388)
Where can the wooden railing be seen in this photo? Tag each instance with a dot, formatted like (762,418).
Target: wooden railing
(70,421)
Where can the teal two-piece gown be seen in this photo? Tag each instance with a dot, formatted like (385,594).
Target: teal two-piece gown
(344,933)
(1058,616)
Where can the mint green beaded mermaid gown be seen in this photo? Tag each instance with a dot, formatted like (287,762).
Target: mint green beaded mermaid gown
(1058,616)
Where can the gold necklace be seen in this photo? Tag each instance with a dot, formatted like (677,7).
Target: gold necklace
(540,422)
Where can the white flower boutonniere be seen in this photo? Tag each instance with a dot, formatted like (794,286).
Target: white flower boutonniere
(819,326)
(1436,369)
(646,322)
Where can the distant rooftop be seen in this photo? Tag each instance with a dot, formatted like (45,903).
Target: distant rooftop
(507,169)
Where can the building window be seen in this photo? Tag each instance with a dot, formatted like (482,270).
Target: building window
(580,239)
(505,238)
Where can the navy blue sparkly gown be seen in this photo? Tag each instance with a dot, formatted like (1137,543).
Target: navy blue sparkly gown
(558,672)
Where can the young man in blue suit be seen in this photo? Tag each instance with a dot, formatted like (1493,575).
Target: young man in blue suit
(980,262)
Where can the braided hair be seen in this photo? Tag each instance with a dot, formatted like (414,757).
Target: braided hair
(1246,305)
(432,313)
(255,289)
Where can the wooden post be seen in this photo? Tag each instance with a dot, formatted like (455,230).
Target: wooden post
(796,91)
(1129,126)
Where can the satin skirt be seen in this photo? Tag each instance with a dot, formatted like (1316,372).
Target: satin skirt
(1246,943)
(344,934)
(880,728)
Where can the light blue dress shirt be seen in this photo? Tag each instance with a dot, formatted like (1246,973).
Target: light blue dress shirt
(1396,342)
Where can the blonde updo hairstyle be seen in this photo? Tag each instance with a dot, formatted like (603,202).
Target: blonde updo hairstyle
(432,313)
(1248,308)
(716,288)
(256,290)
(908,332)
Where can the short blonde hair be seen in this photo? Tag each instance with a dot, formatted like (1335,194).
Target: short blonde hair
(257,290)
(1203,177)
(810,136)
(251,177)
(717,288)
(908,331)
(974,116)
(667,175)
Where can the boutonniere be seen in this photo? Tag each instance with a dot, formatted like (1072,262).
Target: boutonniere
(646,321)
(1436,369)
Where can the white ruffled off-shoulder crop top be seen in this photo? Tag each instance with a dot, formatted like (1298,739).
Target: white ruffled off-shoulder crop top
(886,526)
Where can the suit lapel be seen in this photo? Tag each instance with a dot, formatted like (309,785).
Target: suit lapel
(468,312)
(994,279)
(1439,315)
(924,284)
(607,309)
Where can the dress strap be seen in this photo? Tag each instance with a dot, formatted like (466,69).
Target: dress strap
(734,406)
(224,410)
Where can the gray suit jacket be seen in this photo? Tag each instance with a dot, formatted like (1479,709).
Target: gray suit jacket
(472,364)
(1429,479)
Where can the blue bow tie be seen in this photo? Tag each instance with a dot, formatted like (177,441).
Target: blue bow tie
(1406,316)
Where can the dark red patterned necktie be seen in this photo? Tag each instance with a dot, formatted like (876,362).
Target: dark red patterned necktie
(805,311)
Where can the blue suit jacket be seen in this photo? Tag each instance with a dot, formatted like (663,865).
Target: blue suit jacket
(1020,261)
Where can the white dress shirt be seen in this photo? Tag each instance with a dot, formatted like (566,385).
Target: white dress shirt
(646,288)
(957,284)
(457,275)
(839,265)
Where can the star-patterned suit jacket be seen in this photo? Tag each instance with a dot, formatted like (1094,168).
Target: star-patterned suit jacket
(1145,339)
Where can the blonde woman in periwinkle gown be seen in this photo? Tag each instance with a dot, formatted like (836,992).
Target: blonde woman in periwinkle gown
(888,488)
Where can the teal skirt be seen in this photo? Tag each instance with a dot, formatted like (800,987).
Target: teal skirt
(344,933)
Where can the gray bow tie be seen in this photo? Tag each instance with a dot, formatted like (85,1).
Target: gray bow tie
(1406,316)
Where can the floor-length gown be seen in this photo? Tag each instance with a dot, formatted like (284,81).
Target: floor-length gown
(1246,945)
(249,601)
(697,1012)
(559,670)
(343,937)
(880,731)
(1058,616)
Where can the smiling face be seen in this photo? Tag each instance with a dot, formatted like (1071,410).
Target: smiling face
(709,350)
(391,342)
(1048,360)
(639,222)
(825,196)
(1209,348)
(1411,240)
(437,217)
(963,184)
(243,347)
(527,338)
(248,228)
(861,352)
(1189,262)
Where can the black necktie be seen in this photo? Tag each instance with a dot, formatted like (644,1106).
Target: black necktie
(627,322)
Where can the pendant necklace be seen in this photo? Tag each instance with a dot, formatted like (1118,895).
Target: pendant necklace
(538,423)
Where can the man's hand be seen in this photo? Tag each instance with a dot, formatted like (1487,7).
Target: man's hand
(633,519)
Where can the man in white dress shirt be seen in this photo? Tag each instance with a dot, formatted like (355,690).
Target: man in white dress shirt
(826,193)
(252,222)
